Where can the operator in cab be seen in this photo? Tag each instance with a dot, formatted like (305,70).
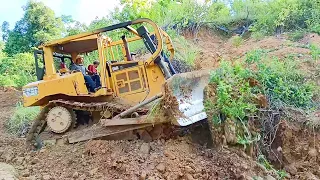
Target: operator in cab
(92,68)
(79,67)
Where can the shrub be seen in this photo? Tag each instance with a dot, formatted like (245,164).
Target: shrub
(21,118)
(315,52)
(296,35)
(17,70)
(236,41)
(282,81)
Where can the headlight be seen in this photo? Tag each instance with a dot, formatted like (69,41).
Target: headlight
(32,91)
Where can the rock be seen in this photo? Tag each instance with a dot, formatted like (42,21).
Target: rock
(188,169)
(313,152)
(156,132)
(279,149)
(32,178)
(19,160)
(27,158)
(268,177)
(309,176)
(244,176)
(93,171)
(145,136)
(82,177)
(189,177)
(20,167)
(7,156)
(34,161)
(161,167)
(51,142)
(169,155)
(75,175)
(245,166)
(62,141)
(46,177)
(291,169)
(189,160)
(7,172)
(43,150)
(26,173)
(143,175)
(145,148)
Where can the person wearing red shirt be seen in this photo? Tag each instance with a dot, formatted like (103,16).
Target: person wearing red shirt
(92,68)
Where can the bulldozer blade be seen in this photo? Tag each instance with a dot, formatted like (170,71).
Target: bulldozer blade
(97,131)
(188,91)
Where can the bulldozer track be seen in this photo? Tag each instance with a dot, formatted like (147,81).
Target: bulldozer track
(40,123)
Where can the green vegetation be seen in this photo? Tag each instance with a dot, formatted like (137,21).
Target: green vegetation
(282,174)
(236,41)
(281,80)
(17,70)
(238,87)
(315,52)
(20,119)
(296,35)
(40,24)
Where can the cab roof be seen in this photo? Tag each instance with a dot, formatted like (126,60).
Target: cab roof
(83,42)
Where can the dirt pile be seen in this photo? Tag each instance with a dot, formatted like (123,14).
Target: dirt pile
(162,159)
(172,159)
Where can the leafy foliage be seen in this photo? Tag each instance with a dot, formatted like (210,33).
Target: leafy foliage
(21,118)
(17,70)
(234,94)
(38,25)
(315,52)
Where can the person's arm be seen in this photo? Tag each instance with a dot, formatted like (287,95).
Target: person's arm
(75,68)
(90,69)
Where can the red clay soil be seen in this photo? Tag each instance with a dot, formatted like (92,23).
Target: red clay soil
(213,48)
(300,148)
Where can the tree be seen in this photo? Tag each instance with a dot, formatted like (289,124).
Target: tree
(99,23)
(37,26)
(1,49)
(5,30)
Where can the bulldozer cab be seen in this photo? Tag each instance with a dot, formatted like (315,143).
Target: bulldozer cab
(133,64)
(61,63)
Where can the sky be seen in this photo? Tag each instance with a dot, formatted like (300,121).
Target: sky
(81,10)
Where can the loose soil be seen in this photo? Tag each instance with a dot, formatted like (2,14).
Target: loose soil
(298,145)
(177,158)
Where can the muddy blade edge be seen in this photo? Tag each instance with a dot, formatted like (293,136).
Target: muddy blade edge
(188,88)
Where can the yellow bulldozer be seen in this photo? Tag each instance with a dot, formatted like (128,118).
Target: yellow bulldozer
(134,86)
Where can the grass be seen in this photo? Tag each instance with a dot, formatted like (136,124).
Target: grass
(21,118)
(315,52)
(237,41)
(264,162)
(296,35)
